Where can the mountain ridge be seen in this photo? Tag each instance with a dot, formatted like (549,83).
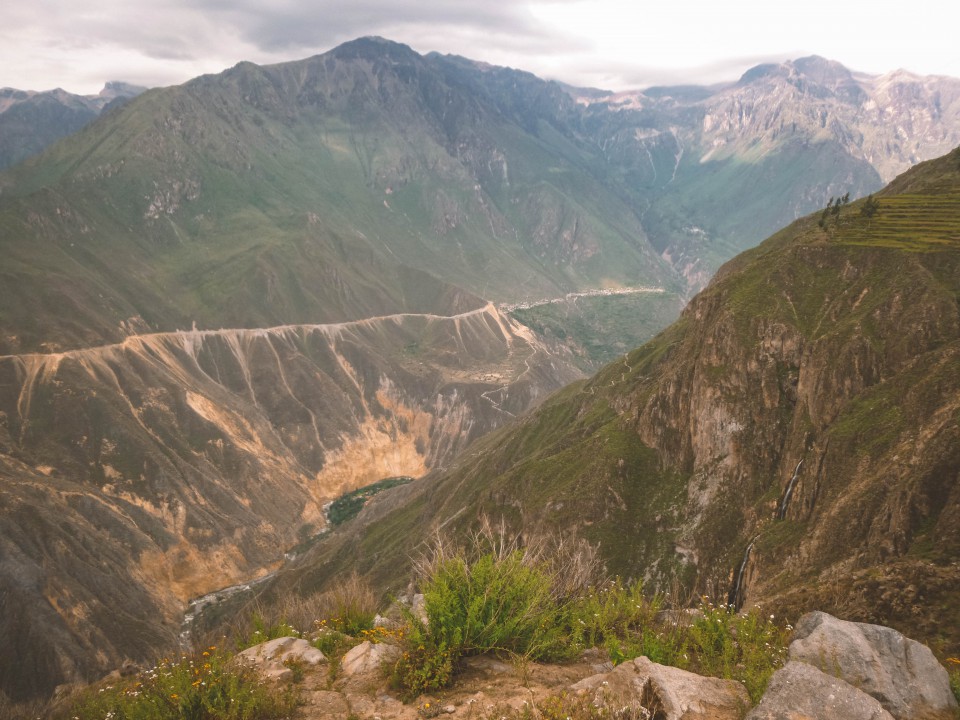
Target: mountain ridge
(793,439)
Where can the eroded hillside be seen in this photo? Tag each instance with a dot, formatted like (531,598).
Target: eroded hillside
(139,475)
(793,438)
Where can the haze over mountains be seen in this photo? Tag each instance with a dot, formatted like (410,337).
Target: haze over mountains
(30,121)
(226,302)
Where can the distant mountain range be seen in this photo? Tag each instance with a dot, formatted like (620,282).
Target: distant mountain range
(30,121)
(716,169)
(226,302)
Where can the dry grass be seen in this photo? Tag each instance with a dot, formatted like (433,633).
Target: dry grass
(572,562)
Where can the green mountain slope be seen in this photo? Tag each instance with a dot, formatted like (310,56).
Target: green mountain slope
(793,439)
(251,198)
(31,121)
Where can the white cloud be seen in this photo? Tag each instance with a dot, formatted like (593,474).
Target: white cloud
(606,43)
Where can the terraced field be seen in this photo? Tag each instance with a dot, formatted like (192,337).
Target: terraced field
(916,222)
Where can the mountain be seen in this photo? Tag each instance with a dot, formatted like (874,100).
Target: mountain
(223,304)
(793,439)
(136,476)
(716,169)
(30,121)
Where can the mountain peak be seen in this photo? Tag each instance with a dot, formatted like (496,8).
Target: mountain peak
(822,71)
(374,47)
(813,68)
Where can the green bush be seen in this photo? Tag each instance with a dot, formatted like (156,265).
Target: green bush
(501,601)
(422,667)
(202,687)
(602,616)
(495,603)
(748,647)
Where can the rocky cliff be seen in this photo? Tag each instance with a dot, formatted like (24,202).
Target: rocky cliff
(139,475)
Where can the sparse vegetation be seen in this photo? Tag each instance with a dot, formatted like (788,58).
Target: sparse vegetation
(200,687)
(953,667)
(262,631)
(505,599)
(350,607)
(349,505)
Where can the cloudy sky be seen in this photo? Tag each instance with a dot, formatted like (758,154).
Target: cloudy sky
(614,44)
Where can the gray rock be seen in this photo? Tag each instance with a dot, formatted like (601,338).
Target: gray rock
(665,692)
(269,657)
(801,691)
(901,673)
(368,657)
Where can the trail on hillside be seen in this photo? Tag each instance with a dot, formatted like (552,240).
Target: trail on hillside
(243,333)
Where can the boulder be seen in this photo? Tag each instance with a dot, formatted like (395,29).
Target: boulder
(269,657)
(799,691)
(666,693)
(368,657)
(901,673)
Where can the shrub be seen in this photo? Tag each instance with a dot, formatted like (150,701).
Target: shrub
(350,607)
(748,647)
(496,597)
(202,687)
(422,667)
(494,603)
(261,631)
(602,615)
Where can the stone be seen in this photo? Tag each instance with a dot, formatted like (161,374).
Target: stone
(901,673)
(368,657)
(269,657)
(664,692)
(798,691)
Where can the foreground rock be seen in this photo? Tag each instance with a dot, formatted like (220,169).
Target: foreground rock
(666,693)
(368,657)
(799,690)
(274,657)
(899,672)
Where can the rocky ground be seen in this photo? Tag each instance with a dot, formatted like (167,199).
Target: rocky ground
(836,670)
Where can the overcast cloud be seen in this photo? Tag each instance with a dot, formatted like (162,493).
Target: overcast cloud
(614,44)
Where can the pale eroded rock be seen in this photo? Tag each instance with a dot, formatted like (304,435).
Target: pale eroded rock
(368,657)
(269,657)
(798,691)
(667,692)
(901,673)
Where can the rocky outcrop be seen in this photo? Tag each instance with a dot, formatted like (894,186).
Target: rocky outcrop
(799,690)
(666,692)
(274,659)
(903,675)
(368,657)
